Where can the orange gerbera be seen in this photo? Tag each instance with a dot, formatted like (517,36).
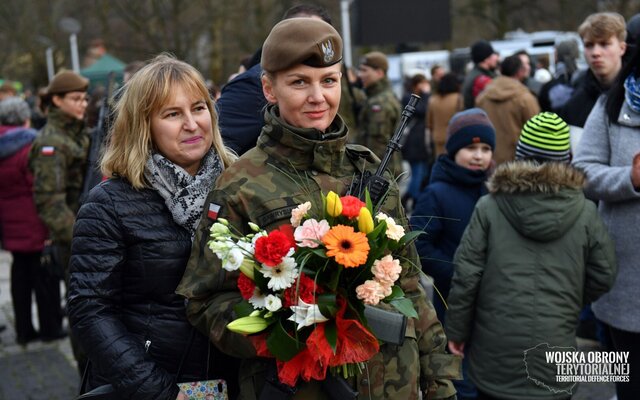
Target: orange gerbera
(349,248)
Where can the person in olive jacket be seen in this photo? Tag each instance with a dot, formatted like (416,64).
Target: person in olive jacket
(534,253)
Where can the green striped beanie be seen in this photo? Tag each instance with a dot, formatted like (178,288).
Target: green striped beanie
(545,137)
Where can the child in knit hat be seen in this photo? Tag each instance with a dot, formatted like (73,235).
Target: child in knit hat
(444,207)
(534,253)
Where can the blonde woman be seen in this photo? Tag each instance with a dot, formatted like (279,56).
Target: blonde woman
(133,236)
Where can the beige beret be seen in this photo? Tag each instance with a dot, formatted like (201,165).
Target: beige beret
(67,81)
(376,60)
(307,41)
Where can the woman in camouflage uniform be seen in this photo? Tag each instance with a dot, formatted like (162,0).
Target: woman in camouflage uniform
(301,153)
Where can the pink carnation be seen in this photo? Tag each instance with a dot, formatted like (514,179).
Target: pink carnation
(370,292)
(386,270)
(310,232)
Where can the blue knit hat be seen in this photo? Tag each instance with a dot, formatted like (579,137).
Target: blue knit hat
(469,127)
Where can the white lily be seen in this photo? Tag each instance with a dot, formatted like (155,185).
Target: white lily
(306,314)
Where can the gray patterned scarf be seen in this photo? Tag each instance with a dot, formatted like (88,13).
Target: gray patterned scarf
(183,194)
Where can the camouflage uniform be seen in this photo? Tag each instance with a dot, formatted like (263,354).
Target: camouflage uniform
(287,168)
(58,161)
(377,121)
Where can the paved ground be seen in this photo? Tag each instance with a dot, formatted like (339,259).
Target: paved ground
(47,371)
(40,371)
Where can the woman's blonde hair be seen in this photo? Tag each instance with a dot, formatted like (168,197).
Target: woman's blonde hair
(130,145)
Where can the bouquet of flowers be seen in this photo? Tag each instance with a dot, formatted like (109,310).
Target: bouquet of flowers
(305,285)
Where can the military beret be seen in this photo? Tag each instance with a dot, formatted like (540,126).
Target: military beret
(67,81)
(307,41)
(376,60)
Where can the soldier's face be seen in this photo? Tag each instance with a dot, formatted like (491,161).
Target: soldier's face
(369,75)
(182,130)
(72,103)
(307,97)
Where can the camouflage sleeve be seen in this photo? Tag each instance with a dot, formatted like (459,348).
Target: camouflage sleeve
(437,368)
(49,167)
(210,290)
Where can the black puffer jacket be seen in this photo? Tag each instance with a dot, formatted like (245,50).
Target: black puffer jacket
(128,256)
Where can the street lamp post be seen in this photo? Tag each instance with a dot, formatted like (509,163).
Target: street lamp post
(72,27)
(48,53)
(346,31)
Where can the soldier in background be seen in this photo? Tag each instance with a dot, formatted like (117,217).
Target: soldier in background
(381,111)
(304,137)
(58,160)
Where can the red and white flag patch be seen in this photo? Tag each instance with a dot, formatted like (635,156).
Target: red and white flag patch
(48,150)
(214,209)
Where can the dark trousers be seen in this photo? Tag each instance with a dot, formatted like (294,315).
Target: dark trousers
(628,341)
(26,277)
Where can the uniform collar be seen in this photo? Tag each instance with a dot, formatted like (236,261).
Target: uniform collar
(303,149)
(64,122)
(378,86)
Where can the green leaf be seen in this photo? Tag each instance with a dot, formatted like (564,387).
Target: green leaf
(282,345)
(320,253)
(396,293)
(260,281)
(409,237)
(334,280)
(367,200)
(331,334)
(381,228)
(405,306)
(243,309)
(327,304)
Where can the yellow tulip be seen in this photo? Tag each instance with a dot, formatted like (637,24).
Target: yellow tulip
(334,205)
(365,221)
(248,325)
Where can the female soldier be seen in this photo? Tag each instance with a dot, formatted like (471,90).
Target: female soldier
(304,139)
(133,235)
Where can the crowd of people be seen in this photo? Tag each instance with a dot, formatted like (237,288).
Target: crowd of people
(524,185)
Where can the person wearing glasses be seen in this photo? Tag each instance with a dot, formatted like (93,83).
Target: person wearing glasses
(58,160)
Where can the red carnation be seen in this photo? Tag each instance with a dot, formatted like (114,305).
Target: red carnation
(305,290)
(272,248)
(246,286)
(351,206)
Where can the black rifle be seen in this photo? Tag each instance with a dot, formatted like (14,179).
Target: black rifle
(93,176)
(376,184)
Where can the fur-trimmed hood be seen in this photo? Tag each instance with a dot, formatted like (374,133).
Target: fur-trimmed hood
(531,177)
(541,201)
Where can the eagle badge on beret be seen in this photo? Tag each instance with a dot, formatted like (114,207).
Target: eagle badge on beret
(327,50)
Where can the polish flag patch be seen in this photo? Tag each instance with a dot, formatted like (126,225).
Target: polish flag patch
(214,209)
(48,150)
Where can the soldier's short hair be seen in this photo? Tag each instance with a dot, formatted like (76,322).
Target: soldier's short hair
(601,26)
(14,112)
(130,143)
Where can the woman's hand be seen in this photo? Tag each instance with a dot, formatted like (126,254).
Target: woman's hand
(182,396)
(456,348)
